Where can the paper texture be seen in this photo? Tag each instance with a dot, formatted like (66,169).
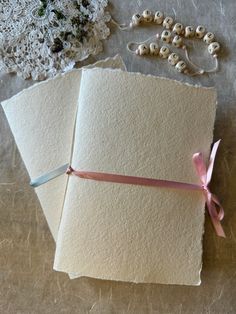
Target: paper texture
(141,126)
(42,120)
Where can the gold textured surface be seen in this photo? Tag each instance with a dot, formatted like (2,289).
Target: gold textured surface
(27,282)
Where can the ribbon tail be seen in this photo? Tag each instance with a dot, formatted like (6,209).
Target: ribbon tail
(215,219)
(220,213)
(212,161)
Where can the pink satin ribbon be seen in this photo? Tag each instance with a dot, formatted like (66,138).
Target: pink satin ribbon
(204,173)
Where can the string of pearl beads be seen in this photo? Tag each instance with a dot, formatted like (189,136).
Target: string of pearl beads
(174,33)
(163,52)
(167,22)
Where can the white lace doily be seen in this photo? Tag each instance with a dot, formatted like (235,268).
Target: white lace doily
(39,38)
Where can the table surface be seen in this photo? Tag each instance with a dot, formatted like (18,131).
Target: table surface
(27,282)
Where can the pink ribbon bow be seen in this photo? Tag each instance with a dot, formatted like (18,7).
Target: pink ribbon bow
(212,201)
(203,172)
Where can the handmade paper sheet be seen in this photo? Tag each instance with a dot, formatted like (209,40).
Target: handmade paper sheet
(42,120)
(146,126)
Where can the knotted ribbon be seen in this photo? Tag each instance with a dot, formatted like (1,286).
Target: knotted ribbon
(204,174)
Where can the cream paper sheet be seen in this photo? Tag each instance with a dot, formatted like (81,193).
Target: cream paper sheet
(42,120)
(132,124)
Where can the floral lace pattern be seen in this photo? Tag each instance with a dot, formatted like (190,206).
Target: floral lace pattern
(39,38)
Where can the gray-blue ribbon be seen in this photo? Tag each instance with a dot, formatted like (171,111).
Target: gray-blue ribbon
(49,176)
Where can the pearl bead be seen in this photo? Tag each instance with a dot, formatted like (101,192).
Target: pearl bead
(136,19)
(164,52)
(159,17)
(154,49)
(200,31)
(166,36)
(208,38)
(189,31)
(142,50)
(214,48)
(173,59)
(181,66)
(147,16)
(178,28)
(168,22)
(177,41)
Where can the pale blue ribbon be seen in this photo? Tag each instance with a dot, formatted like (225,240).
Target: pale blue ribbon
(49,176)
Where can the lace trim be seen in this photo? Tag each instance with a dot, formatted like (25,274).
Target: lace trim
(40,38)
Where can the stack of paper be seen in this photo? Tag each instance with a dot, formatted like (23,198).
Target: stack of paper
(109,120)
